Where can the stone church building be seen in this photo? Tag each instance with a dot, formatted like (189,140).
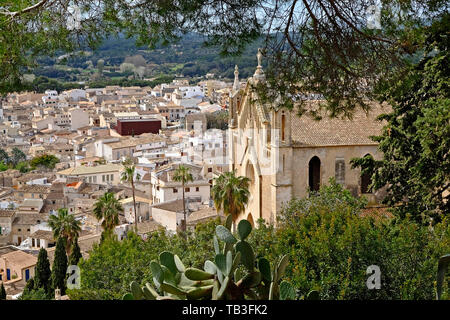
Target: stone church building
(284,155)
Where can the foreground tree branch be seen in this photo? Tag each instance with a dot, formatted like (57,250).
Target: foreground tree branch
(323,47)
(25,10)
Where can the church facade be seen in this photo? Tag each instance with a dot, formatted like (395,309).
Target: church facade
(285,155)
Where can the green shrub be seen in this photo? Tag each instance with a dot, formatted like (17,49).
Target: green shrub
(329,242)
(332,245)
(114,264)
(38,294)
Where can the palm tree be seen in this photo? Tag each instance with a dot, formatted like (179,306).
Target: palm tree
(107,208)
(182,174)
(129,175)
(231,193)
(65,225)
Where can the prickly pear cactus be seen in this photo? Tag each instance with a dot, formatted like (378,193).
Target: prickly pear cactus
(233,273)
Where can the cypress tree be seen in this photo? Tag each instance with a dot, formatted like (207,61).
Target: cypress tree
(28,290)
(2,293)
(30,285)
(59,267)
(75,256)
(43,273)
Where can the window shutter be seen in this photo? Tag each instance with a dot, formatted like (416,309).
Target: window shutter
(340,171)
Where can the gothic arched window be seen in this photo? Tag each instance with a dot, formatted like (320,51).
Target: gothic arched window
(314,173)
(365,179)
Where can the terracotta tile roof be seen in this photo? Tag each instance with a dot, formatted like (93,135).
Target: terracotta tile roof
(7,249)
(173,205)
(43,234)
(55,196)
(85,242)
(31,176)
(201,215)
(47,207)
(57,187)
(377,212)
(91,170)
(34,188)
(306,131)
(196,116)
(20,258)
(148,226)
(29,218)
(87,189)
(31,203)
(6,213)
(138,199)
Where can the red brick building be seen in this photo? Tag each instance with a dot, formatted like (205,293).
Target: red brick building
(138,126)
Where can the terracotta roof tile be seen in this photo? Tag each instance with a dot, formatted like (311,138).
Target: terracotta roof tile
(306,131)
(6,213)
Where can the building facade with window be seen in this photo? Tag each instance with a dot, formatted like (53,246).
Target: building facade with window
(285,156)
(165,188)
(102,174)
(17,267)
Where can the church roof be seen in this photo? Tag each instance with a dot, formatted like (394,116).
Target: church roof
(306,131)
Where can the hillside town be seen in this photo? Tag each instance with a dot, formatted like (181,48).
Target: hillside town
(91,132)
(223,152)
(158,153)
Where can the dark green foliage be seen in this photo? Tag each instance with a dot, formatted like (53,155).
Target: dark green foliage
(4,157)
(43,273)
(31,292)
(48,161)
(329,243)
(40,84)
(23,167)
(28,291)
(65,226)
(416,141)
(17,156)
(59,268)
(2,292)
(38,294)
(217,120)
(113,265)
(107,209)
(443,264)
(230,193)
(75,254)
(327,42)
(16,161)
(3,166)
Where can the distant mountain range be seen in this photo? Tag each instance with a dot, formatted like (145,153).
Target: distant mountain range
(188,58)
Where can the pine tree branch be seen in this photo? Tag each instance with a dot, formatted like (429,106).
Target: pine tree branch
(25,10)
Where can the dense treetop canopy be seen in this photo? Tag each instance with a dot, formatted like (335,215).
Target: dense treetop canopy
(339,49)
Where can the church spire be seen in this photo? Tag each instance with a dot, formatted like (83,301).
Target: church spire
(259,73)
(236,79)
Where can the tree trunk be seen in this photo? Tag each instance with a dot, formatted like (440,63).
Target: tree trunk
(184,209)
(68,246)
(134,204)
